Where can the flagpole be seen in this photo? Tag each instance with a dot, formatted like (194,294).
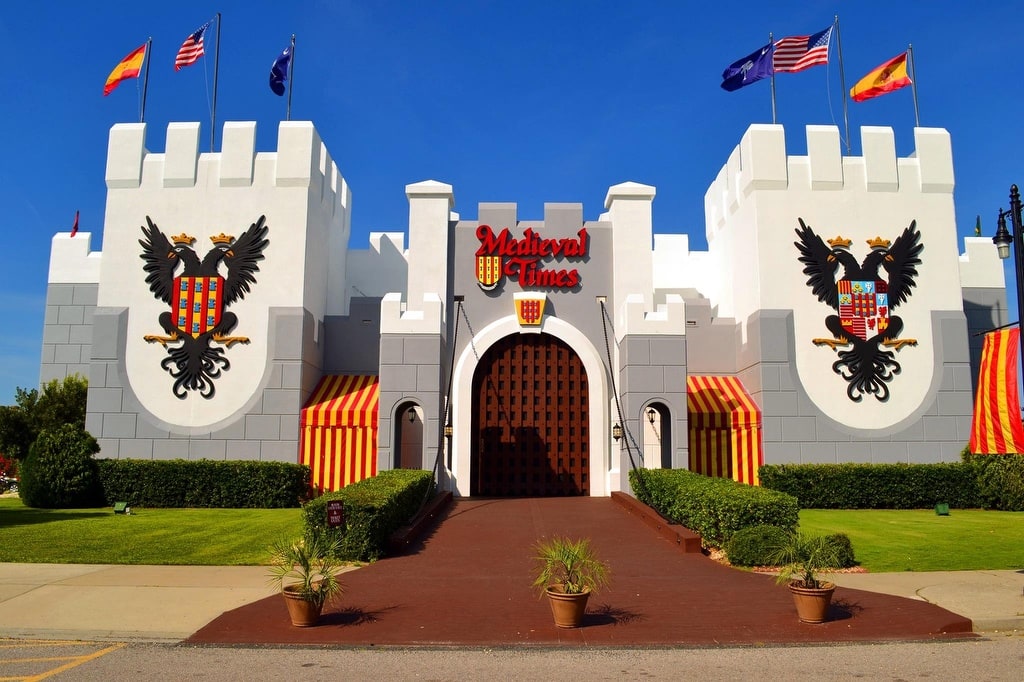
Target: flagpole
(913,84)
(771,46)
(291,79)
(145,80)
(842,84)
(216,70)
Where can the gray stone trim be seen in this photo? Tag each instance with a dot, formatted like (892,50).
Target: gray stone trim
(794,430)
(266,428)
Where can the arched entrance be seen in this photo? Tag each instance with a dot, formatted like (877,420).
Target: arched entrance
(531,422)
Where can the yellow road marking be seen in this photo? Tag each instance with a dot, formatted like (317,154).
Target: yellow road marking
(73,661)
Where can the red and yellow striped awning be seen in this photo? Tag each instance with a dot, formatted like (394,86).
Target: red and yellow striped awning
(725,428)
(338,434)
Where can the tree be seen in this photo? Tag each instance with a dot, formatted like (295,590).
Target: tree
(62,401)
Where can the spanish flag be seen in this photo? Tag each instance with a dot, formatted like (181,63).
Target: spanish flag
(128,68)
(888,77)
(997,429)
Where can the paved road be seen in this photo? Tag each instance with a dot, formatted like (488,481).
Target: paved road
(995,658)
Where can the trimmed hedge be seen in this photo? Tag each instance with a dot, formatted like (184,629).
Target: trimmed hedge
(178,483)
(374,509)
(716,508)
(875,486)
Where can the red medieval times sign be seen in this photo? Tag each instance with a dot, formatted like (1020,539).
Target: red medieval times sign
(521,260)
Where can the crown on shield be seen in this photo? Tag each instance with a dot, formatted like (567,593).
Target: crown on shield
(222,238)
(838,242)
(183,239)
(879,243)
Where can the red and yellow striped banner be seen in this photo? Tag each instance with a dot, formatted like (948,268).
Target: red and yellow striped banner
(338,434)
(725,429)
(996,427)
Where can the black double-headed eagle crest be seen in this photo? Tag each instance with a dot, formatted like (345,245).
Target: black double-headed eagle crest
(199,292)
(864,302)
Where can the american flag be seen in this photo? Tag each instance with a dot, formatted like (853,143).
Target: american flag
(797,53)
(192,49)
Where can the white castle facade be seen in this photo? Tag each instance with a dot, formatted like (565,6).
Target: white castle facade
(228,317)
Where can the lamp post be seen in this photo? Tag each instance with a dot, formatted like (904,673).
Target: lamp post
(1002,240)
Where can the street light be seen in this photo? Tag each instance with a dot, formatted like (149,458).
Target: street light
(1002,241)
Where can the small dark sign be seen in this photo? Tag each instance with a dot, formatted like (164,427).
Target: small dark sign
(335,513)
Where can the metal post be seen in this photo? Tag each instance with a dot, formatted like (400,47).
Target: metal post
(1018,256)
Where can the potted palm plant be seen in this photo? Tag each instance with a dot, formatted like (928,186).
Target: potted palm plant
(801,558)
(306,572)
(568,572)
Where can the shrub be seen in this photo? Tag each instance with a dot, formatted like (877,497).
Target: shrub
(178,483)
(875,486)
(713,507)
(374,509)
(842,549)
(1000,480)
(752,546)
(60,471)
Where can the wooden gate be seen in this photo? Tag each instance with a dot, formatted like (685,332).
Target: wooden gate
(531,434)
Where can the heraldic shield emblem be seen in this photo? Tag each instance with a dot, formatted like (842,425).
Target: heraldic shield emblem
(863,307)
(530,308)
(865,328)
(199,293)
(488,271)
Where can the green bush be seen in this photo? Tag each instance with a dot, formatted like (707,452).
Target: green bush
(713,507)
(875,486)
(374,509)
(1000,480)
(752,546)
(178,483)
(842,549)
(60,472)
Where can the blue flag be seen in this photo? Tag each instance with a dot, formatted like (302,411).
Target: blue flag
(750,69)
(279,71)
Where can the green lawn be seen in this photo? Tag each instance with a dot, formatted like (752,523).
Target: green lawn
(212,537)
(920,540)
(913,540)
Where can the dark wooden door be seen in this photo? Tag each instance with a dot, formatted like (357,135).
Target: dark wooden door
(531,433)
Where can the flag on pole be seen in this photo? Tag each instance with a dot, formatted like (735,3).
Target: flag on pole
(750,69)
(129,67)
(74,228)
(888,77)
(279,71)
(192,49)
(796,53)
(996,427)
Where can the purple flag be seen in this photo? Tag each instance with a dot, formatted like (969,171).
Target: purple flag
(750,69)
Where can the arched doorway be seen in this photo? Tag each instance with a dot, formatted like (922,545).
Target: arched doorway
(531,422)
(657,437)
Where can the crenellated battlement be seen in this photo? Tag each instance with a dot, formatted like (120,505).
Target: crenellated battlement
(301,160)
(760,162)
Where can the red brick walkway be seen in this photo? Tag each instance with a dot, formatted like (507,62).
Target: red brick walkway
(467,582)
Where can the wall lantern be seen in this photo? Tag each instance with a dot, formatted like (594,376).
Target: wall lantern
(616,432)
(650,415)
(447,430)
(412,414)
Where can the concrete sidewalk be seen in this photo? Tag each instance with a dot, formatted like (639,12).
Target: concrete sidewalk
(170,603)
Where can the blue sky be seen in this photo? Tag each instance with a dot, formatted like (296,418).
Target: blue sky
(512,101)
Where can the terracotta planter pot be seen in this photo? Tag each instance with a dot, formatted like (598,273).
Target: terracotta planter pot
(812,603)
(567,609)
(304,613)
